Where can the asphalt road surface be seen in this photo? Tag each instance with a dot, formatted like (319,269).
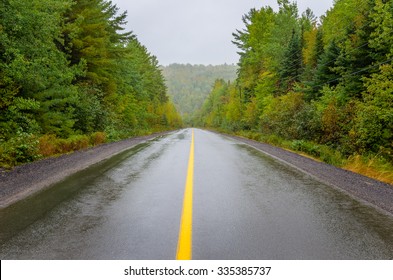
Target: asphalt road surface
(239,204)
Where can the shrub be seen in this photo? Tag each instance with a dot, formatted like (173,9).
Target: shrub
(322,152)
(74,143)
(97,138)
(286,116)
(306,147)
(374,119)
(20,149)
(47,145)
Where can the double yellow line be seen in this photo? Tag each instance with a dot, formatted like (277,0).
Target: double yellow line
(184,246)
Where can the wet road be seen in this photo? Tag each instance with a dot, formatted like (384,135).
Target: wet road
(245,206)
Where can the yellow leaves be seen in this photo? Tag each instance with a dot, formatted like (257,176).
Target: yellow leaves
(234,107)
(251,115)
(310,39)
(330,121)
(171,115)
(164,115)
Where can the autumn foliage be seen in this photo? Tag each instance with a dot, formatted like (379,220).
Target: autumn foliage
(323,86)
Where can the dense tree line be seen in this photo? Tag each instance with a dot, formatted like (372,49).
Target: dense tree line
(189,85)
(71,77)
(315,82)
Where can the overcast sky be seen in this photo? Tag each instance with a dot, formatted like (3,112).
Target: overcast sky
(196,31)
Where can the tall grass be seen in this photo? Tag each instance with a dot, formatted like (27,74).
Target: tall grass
(371,166)
(50,145)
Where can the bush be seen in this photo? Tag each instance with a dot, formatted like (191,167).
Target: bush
(97,138)
(20,149)
(331,156)
(306,147)
(322,152)
(286,116)
(374,119)
(75,143)
(49,145)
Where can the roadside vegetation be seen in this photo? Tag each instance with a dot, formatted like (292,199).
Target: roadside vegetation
(323,87)
(70,78)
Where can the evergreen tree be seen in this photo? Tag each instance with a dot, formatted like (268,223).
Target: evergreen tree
(67,68)
(93,40)
(291,66)
(356,57)
(326,73)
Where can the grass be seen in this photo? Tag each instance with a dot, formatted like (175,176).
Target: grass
(49,145)
(374,167)
(26,148)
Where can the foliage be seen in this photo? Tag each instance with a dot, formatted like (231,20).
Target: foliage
(374,119)
(23,147)
(71,77)
(50,145)
(214,106)
(285,117)
(326,87)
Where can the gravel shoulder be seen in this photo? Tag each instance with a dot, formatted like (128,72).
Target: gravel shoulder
(28,179)
(369,191)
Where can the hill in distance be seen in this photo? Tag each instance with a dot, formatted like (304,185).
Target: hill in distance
(189,85)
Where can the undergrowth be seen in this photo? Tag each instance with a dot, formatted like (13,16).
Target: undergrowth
(27,148)
(375,167)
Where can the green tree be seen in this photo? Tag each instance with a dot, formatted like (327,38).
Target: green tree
(291,65)
(32,66)
(214,109)
(356,57)
(381,38)
(326,72)
(68,68)
(327,82)
(92,40)
(374,123)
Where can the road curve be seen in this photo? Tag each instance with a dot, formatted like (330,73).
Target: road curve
(246,205)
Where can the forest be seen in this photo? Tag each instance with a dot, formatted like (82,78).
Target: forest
(189,85)
(319,86)
(71,77)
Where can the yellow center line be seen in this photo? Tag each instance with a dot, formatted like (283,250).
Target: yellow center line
(184,245)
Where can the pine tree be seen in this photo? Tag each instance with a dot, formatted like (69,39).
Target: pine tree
(291,66)
(356,57)
(93,40)
(326,73)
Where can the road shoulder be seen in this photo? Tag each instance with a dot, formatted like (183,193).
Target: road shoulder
(369,191)
(31,178)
